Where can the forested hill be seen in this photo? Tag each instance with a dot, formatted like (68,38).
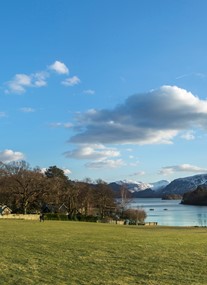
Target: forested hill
(196,197)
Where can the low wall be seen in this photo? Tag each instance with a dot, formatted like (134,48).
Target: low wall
(20,217)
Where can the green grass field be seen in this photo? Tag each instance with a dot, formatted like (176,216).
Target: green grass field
(88,253)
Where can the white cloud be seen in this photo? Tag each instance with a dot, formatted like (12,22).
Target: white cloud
(21,82)
(139,173)
(89,92)
(59,124)
(167,170)
(39,79)
(9,155)
(27,110)
(105,163)
(71,81)
(96,151)
(59,67)
(189,135)
(100,156)
(155,117)
(194,74)
(68,125)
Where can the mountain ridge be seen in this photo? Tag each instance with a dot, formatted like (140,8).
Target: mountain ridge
(178,186)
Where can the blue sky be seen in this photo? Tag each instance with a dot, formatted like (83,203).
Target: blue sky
(112,89)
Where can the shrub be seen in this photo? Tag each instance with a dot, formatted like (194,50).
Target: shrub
(135,215)
(56,216)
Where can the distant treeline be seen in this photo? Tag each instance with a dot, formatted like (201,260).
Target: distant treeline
(29,190)
(196,197)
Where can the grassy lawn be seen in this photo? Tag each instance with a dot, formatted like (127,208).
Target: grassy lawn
(88,253)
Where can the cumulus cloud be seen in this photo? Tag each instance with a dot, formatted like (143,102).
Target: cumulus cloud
(71,81)
(149,118)
(39,79)
(9,155)
(21,82)
(59,67)
(96,151)
(100,156)
(167,170)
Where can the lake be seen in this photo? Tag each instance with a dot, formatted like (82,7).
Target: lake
(171,212)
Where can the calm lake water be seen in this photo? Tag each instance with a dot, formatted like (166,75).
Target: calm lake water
(171,212)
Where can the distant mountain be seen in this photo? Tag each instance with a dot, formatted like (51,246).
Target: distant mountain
(139,189)
(157,186)
(183,185)
(133,186)
(161,188)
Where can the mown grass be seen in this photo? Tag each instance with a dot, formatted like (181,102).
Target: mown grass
(88,253)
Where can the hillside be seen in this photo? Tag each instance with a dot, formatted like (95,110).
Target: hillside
(160,189)
(139,189)
(196,197)
(183,185)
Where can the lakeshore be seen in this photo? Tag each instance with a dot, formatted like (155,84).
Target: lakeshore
(171,212)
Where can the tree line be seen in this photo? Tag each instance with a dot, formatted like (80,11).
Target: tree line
(29,190)
(196,197)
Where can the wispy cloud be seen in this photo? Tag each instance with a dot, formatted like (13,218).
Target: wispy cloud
(193,74)
(19,83)
(59,67)
(27,110)
(105,163)
(89,92)
(188,168)
(155,117)
(138,173)
(9,155)
(60,125)
(71,81)
(189,135)
(39,79)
